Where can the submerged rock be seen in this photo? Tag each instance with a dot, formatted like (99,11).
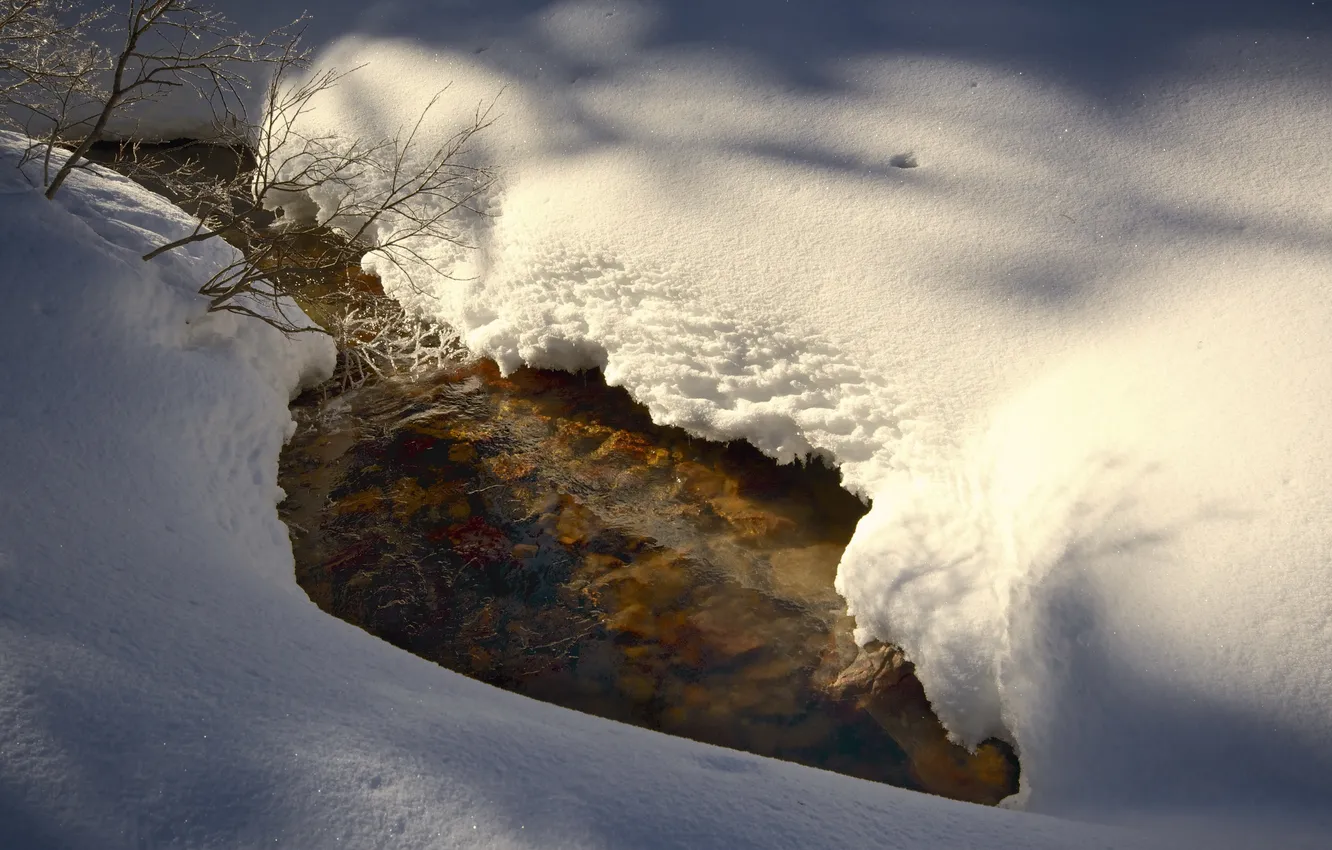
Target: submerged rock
(882,682)
(538,532)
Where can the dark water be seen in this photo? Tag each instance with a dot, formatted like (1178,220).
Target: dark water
(538,532)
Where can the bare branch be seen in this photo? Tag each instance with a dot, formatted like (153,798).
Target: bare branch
(180,44)
(389,196)
(402,198)
(48,69)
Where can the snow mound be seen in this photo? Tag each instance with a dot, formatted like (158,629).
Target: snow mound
(1076,353)
(165,683)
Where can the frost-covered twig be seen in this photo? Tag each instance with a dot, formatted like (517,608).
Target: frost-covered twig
(49,68)
(381,195)
(172,45)
(380,339)
(390,196)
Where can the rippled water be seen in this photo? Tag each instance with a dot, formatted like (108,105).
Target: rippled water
(538,532)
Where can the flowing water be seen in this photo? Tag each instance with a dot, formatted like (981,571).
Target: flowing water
(538,532)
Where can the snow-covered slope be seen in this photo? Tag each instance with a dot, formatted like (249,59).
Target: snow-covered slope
(1049,280)
(165,684)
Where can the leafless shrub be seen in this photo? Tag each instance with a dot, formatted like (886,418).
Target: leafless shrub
(169,45)
(386,195)
(48,66)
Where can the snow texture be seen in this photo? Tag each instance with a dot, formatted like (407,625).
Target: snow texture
(165,684)
(1048,280)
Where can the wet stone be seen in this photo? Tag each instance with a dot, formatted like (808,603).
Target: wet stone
(538,532)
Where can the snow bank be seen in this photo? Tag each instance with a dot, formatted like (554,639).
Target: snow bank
(165,684)
(1049,281)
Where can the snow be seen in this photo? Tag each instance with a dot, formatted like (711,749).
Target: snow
(1075,353)
(165,683)
(1076,356)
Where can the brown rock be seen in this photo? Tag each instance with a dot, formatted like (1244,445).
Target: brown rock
(524,551)
(363,501)
(748,520)
(876,670)
(883,683)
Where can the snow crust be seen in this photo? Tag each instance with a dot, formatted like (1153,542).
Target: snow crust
(1049,281)
(165,684)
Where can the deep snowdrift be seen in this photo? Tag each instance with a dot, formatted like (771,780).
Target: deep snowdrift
(1077,354)
(1050,281)
(163,681)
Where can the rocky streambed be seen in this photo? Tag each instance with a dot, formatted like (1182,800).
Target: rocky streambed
(539,533)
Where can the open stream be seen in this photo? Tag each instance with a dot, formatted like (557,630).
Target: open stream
(540,533)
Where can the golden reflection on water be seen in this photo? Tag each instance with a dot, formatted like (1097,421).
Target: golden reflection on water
(540,533)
